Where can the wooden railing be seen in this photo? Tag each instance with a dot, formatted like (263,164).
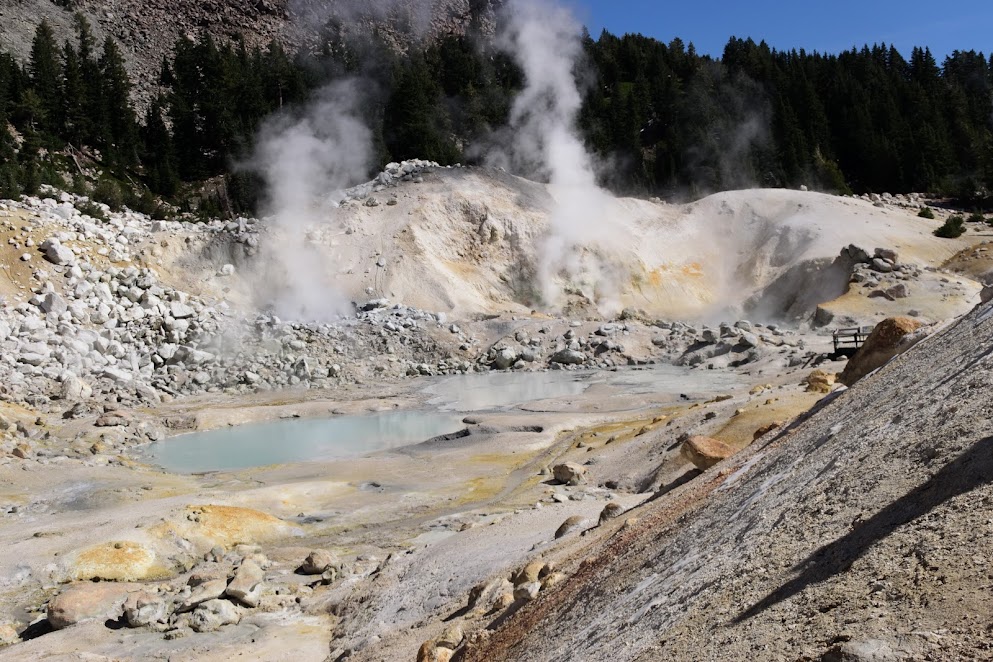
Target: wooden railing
(848,341)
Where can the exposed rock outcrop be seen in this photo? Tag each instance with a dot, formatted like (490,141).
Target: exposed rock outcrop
(890,337)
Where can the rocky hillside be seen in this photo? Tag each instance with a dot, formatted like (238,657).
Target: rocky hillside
(148,30)
(860,533)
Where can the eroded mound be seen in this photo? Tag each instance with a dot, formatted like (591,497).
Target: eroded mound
(475,241)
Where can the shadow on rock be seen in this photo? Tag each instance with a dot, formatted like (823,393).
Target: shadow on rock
(970,470)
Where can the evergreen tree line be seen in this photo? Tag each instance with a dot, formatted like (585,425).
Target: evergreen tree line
(662,118)
(72,94)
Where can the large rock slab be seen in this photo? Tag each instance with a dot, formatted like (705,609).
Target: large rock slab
(87,601)
(204,592)
(705,452)
(227,526)
(246,587)
(886,341)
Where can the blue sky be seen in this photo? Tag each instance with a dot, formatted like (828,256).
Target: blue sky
(821,25)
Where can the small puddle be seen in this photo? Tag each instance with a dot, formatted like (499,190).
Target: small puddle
(298,440)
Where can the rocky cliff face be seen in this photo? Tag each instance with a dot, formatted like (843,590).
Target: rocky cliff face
(148,29)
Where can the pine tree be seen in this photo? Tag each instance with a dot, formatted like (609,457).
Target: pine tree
(29,175)
(185,91)
(29,112)
(73,109)
(120,125)
(415,123)
(46,77)
(159,155)
(92,122)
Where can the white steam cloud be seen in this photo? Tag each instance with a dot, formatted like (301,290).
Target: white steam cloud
(545,41)
(304,158)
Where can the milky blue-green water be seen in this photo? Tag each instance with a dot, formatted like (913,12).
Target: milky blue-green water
(297,440)
(303,440)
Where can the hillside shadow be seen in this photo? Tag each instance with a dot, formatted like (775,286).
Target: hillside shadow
(967,369)
(970,470)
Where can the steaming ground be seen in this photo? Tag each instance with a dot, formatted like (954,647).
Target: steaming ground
(469,242)
(410,533)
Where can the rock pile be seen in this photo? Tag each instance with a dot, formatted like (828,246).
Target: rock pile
(116,330)
(733,345)
(218,592)
(902,200)
(100,324)
(489,598)
(726,346)
(391,177)
(882,273)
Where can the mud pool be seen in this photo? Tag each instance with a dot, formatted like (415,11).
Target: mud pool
(506,390)
(304,440)
(297,440)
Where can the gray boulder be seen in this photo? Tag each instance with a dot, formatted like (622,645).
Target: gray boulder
(569,473)
(504,358)
(568,357)
(568,526)
(53,303)
(56,253)
(214,614)
(881,265)
(748,339)
(886,254)
(74,388)
(246,587)
(318,561)
(898,291)
(143,609)
(180,310)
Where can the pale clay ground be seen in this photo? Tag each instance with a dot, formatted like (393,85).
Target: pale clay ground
(456,513)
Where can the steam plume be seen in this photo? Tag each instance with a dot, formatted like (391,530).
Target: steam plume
(303,158)
(545,41)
